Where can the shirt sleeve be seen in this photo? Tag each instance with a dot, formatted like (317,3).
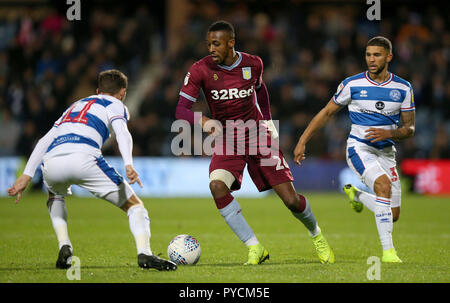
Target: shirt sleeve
(124,140)
(184,110)
(343,95)
(117,110)
(408,102)
(192,83)
(261,68)
(263,101)
(38,152)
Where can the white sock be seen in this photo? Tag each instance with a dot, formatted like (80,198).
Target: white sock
(58,214)
(308,219)
(367,199)
(233,216)
(383,218)
(252,241)
(140,228)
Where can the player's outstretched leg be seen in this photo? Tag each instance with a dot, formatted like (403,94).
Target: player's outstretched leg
(140,228)
(231,211)
(383,215)
(383,219)
(380,205)
(58,215)
(352,191)
(300,208)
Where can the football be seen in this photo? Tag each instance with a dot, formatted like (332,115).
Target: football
(184,249)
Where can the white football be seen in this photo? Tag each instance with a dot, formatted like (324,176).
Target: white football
(184,249)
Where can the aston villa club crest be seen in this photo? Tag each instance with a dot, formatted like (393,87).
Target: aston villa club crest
(215,77)
(247,73)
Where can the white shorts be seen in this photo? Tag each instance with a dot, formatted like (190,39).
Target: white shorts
(90,172)
(369,163)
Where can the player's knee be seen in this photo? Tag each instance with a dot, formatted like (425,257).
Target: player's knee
(218,188)
(383,187)
(132,201)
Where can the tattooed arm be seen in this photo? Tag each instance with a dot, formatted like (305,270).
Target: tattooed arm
(405,131)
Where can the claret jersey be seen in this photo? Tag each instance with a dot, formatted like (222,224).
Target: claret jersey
(229,90)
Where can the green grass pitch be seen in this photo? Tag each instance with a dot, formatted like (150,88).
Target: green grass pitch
(103,242)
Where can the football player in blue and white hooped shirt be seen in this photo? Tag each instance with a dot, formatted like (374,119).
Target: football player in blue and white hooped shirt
(381,109)
(70,154)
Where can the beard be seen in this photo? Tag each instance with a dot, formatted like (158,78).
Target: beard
(380,69)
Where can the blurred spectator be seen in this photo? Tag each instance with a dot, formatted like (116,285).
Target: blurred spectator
(27,139)
(9,133)
(441,144)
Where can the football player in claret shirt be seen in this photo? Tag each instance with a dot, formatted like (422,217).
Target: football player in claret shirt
(232,84)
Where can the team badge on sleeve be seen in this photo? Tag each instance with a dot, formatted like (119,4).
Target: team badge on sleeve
(247,73)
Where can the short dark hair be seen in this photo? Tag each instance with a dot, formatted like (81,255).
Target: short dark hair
(380,41)
(111,81)
(222,25)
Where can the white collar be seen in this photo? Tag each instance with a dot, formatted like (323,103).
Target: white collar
(238,61)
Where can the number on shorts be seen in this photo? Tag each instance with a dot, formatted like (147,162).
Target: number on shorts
(279,165)
(394,174)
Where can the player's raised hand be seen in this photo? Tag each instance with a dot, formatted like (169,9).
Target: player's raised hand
(132,175)
(378,134)
(19,186)
(299,153)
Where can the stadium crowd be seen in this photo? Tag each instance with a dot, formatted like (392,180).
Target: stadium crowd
(307,49)
(48,62)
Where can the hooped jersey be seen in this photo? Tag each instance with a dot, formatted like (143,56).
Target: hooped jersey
(86,124)
(372,104)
